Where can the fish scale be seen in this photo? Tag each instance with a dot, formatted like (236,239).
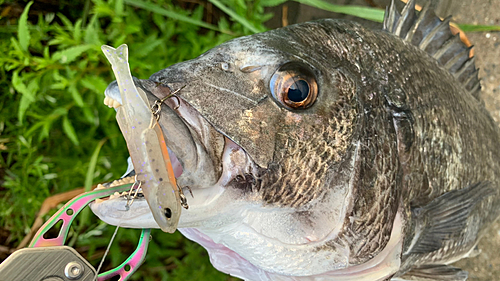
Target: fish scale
(389,171)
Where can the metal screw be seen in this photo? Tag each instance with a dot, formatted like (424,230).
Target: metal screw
(73,270)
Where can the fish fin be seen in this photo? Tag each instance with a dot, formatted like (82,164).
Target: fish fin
(445,218)
(434,273)
(433,35)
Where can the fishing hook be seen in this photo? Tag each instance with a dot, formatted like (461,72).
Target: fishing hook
(156,107)
(129,200)
(183,198)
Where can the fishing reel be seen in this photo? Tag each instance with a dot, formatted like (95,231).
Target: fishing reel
(49,260)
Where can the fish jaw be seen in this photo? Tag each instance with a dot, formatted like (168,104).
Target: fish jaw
(228,260)
(379,268)
(195,151)
(196,147)
(238,223)
(115,212)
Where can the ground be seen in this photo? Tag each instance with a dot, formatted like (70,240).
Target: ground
(486,266)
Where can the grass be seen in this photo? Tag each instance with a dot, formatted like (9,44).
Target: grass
(56,134)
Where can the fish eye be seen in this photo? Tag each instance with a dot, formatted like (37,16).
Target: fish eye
(294,86)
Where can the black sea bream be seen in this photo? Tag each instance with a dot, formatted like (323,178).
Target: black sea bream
(327,151)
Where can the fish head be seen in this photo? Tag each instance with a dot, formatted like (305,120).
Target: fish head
(262,136)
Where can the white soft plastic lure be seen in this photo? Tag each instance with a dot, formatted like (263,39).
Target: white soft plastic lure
(145,143)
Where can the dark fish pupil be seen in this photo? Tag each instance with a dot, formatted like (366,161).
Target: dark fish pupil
(298,91)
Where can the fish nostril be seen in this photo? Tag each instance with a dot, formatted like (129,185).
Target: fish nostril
(224,66)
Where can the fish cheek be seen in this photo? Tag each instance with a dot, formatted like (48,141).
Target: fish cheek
(310,146)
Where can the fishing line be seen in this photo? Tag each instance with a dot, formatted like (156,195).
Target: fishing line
(106,252)
(113,237)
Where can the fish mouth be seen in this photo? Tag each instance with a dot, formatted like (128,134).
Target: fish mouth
(203,159)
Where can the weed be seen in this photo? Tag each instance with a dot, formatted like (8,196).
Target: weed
(55,132)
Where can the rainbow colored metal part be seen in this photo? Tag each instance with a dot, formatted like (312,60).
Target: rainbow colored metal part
(67,215)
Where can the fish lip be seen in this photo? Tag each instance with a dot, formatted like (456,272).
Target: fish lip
(187,134)
(178,114)
(208,170)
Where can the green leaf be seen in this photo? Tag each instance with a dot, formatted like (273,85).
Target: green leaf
(119,8)
(224,24)
(67,23)
(147,46)
(23,106)
(89,178)
(77,32)
(272,3)
(92,33)
(90,117)
(17,48)
(70,131)
(70,54)
(45,130)
(23,34)
(35,127)
(76,95)
(243,21)
(33,86)
(161,11)
(95,83)
(58,112)
(28,93)
(478,28)
(19,86)
(368,13)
